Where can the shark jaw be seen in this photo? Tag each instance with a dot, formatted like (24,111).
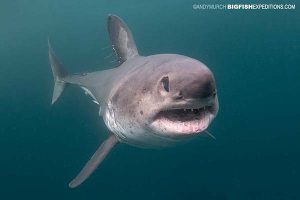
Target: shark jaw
(184,121)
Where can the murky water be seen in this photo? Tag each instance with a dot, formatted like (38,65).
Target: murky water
(254,55)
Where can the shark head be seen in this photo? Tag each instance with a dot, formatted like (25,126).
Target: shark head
(169,96)
(185,97)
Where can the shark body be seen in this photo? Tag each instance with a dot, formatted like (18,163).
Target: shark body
(147,101)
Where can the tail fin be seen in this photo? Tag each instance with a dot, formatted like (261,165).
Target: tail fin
(58,73)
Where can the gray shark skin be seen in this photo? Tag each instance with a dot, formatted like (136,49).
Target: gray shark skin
(147,101)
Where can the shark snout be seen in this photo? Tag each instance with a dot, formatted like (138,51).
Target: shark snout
(196,89)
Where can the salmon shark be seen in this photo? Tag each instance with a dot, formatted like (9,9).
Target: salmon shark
(146,101)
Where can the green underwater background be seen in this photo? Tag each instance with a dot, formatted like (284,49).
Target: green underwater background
(254,54)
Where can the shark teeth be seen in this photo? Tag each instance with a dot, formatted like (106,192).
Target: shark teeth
(194,110)
(181,124)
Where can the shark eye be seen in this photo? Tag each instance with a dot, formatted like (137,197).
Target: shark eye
(165,82)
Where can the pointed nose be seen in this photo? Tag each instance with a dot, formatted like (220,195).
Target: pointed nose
(206,89)
(198,88)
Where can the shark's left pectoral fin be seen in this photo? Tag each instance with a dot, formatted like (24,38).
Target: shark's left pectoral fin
(210,135)
(95,161)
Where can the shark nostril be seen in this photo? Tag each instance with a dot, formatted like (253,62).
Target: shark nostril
(179,95)
(207,89)
(214,93)
(207,94)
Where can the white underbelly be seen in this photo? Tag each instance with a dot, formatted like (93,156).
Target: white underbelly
(133,134)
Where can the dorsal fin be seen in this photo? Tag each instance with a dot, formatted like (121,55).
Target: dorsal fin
(121,38)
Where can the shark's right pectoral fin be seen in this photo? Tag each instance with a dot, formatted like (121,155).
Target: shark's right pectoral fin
(95,161)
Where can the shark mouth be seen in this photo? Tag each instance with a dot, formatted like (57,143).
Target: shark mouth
(184,121)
